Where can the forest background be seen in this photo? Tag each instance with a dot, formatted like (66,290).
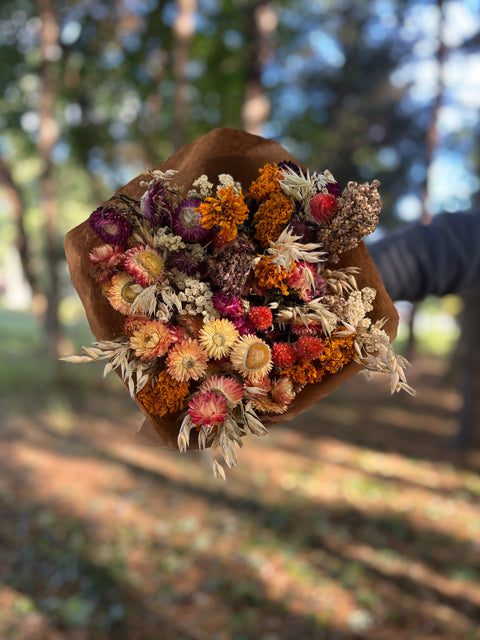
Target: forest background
(93,93)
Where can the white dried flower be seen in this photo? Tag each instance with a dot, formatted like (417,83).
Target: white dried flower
(203,185)
(354,310)
(286,250)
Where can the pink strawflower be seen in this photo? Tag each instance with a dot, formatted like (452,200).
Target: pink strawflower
(282,391)
(105,261)
(298,328)
(145,265)
(304,274)
(230,388)
(208,409)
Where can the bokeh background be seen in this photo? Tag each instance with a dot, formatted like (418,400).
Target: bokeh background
(358,519)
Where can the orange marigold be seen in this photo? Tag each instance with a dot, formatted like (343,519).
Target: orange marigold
(271,217)
(267,183)
(270,275)
(337,352)
(303,373)
(227,211)
(166,396)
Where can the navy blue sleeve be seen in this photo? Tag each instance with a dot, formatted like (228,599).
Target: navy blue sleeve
(436,259)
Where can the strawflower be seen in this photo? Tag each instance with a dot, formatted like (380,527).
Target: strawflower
(218,337)
(145,265)
(155,207)
(225,385)
(111,225)
(105,260)
(208,409)
(186,361)
(228,305)
(251,356)
(187,221)
(122,292)
(151,340)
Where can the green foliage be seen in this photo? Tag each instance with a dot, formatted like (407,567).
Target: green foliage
(330,72)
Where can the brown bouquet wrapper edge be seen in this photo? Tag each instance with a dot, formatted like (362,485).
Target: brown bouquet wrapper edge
(241,155)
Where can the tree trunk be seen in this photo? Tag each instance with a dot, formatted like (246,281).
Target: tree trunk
(48,135)
(432,141)
(15,196)
(256,104)
(183,31)
(432,135)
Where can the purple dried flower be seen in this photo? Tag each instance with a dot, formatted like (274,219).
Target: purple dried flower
(111,226)
(304,230)
(187,222)
(155,207)
(228,305)
(185,264)
(290,165)
(333,189)
(243,326)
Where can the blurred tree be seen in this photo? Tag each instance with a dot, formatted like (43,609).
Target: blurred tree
(256,103)
(47,138)
(183,31)
(113,86)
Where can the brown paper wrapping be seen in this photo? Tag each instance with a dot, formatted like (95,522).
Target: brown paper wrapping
(241,155)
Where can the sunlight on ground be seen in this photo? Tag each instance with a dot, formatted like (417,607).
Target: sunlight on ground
(355,520)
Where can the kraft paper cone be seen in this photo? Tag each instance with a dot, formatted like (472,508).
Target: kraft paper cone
(240,155)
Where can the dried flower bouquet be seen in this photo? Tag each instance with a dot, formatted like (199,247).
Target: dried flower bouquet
(230,289)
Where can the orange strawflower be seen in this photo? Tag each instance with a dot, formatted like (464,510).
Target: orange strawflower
(270,275)
(271,217)
(337,352)
(227,211)
(303,373)
(167,396)
(267,183)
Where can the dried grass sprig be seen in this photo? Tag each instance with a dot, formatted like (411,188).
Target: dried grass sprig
(375,353)
(133,371)
(341,281)
(313,311)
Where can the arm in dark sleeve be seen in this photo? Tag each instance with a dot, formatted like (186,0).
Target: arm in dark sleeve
(436,259)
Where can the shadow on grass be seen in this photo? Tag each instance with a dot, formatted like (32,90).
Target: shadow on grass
(54,563)
(330,530)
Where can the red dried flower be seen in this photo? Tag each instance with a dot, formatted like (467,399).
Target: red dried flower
(283,354)
(323,207)
(308,348)
(260,317)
